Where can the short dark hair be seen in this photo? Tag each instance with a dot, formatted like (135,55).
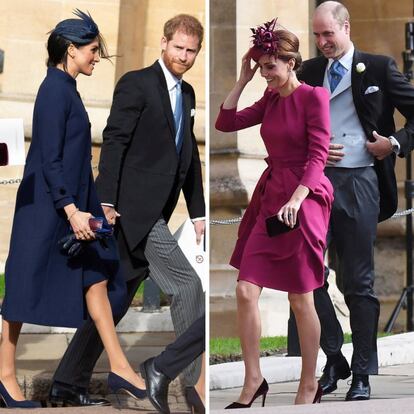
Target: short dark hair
(57,49)
(184,23)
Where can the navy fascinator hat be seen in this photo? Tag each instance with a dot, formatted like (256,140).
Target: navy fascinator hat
(81,31)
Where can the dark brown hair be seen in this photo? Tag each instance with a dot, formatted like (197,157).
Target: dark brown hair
(57,48)
(186,24)
(288,47)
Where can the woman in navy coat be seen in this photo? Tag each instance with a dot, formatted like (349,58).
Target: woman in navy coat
(57,195)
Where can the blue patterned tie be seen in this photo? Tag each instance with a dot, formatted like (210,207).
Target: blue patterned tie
(336,72)
(178,114)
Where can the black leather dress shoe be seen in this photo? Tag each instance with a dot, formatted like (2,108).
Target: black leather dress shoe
(69,395)
(333,372)
(157,386)
(360,389)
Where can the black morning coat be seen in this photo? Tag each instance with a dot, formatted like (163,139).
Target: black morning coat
(140,172)
(376,111)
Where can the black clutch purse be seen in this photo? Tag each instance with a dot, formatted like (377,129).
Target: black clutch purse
(275,227)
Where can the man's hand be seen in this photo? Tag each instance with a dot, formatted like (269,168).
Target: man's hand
(110,214)
(334,154)
(381,148)
(199,228)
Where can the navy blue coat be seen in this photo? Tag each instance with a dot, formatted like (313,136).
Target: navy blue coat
(43,285)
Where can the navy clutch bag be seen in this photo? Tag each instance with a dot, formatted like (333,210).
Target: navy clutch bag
(71,246)
(100,227)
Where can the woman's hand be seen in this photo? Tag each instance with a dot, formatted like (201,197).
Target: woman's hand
(247,71)
(80,225)
(246,74)
(79,222)
(288,213)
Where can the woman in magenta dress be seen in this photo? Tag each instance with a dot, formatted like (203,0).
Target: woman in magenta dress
(295,128)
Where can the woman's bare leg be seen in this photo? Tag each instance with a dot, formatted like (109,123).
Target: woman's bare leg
(9,337)
(101,313)
(309,330)
(200,387)
(248,316)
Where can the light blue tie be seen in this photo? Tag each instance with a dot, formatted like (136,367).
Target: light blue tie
(336,72)
(178,114)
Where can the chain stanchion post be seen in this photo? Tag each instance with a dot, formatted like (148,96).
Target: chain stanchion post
(151,297)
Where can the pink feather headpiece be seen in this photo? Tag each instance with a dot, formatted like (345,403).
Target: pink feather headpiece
(265,40)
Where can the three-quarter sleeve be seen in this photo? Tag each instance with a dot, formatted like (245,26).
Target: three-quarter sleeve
(318,131)
(230,120)
(52,109)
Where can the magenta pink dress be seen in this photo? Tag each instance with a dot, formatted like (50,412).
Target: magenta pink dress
(296,133)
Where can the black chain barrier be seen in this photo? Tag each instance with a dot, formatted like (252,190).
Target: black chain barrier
(218,222)
(19,180)
(11,181)
(236,220)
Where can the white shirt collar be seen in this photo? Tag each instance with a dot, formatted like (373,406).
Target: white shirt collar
(169,77)
(346,59)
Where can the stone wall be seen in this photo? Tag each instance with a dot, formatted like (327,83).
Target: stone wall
(132,30)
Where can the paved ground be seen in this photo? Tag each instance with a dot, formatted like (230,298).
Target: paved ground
(102,410)
(38,356)
(392,392)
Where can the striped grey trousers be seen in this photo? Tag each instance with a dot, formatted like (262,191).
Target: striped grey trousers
(172,272)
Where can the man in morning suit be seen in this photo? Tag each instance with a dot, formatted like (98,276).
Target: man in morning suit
(365,90)
(149,154)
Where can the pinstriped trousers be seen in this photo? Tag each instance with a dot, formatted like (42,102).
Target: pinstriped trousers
(174,275)
(171,271)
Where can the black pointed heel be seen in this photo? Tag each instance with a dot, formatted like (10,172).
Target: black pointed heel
(261,391)
(9,402)
(318,395)
(264,399)
(117,384)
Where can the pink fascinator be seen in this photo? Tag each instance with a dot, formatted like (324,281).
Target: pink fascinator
(265,40)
